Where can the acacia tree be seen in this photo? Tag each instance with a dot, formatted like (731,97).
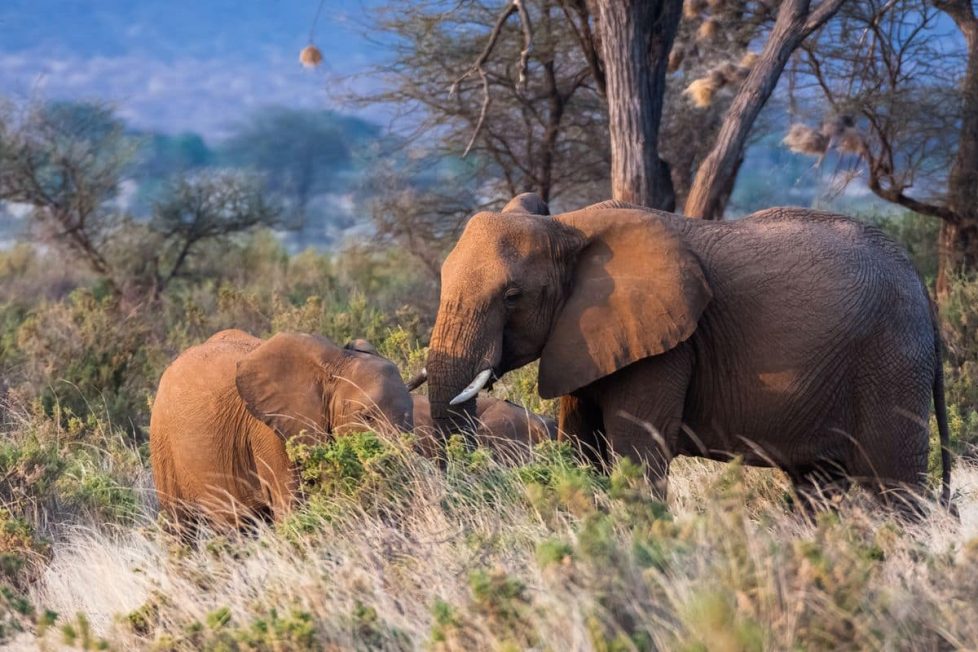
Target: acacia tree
(535,122)
(636,37)
(627,45)
(902,110)
(615,55)
(796,20)
(68,163)
(474,127)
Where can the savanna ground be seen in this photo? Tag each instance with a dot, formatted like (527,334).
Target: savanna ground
(390,551)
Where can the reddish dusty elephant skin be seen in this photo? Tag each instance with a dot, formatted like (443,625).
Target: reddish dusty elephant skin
(225,409)
(508,428)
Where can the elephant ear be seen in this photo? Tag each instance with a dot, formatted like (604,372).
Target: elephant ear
(637,291)
(527,202)
(282,382)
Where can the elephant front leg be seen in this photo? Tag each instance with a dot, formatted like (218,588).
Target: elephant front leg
(646,439)
(579,421)
(642,409)
(276,476)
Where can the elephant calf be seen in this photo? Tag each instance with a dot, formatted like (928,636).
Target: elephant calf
(225,409)
(500,425)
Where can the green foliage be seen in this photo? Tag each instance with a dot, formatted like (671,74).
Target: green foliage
(144,620)
(917,233)
(22,552)
(340,467)
(353,472)
(83,470)
(295,630)
(83,352)
(78,634)
(502,603)
(17,614)
(552,551)
(960,319)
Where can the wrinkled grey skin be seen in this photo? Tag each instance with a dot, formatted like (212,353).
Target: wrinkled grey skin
(816,350)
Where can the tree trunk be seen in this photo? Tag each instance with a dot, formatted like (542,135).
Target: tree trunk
(958,245)
(957,251)
(637,36)
(717,173)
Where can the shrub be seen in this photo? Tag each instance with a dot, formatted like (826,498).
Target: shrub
(83,352)
(960,317)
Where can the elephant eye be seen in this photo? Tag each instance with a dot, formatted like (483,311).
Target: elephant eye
(511,295)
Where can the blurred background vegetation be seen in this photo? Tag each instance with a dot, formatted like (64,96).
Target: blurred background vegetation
(120,247)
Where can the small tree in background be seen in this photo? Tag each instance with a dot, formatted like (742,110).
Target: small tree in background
(67,163)
(205,207)
(300,153)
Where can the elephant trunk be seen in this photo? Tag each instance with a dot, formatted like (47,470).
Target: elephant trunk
(447,377)
(459,351)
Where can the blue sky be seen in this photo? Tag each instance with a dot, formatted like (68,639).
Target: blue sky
(182,65)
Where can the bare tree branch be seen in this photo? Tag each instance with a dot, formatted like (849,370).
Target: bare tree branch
(586,39)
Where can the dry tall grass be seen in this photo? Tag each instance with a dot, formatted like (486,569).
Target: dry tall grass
(544,557)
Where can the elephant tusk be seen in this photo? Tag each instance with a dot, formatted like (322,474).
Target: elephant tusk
(418,380)
(478,383)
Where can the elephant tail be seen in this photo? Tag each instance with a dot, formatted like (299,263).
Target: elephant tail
(940,410)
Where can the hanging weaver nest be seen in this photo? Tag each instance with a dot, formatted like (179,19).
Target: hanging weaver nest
(749,59)
(802,139)
(707,30)
(310,57)
(701,91)
(839,132)
(693,8)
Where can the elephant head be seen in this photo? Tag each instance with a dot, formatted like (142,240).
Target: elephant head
(586,293)
(294,382)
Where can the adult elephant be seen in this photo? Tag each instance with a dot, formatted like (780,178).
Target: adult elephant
(225,409)
(792,337)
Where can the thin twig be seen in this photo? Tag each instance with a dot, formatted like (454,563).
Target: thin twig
(486,100)
(527,42)
(315,20)
(514,6)
(497,29)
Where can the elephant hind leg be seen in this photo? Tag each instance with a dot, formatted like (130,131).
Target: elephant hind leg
(889,455)
(168,494)
(819,486)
